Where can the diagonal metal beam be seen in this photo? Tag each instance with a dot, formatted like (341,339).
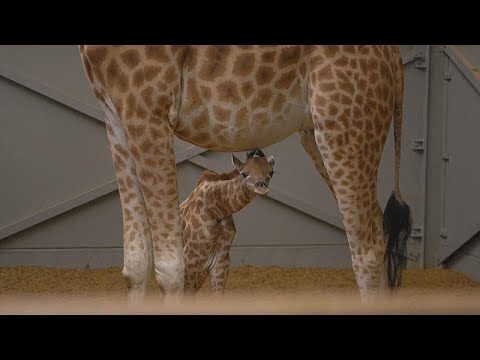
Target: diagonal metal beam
(57,209)
(464,65)
(52,93)
(417,51)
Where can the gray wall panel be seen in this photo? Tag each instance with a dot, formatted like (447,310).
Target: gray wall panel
(51,152)
(462,219)
(54,152)
(434,191)
(467,264)
(287,226)
(293,256)
(472,247)
(55,66)
(95,224)
(472,52)
(63,258)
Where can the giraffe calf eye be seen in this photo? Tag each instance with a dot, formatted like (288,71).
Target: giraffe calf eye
(244,174)
(271,173)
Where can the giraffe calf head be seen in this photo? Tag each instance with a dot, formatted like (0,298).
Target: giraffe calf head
(257,171)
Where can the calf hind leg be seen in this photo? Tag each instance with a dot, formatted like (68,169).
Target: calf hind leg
(220,267)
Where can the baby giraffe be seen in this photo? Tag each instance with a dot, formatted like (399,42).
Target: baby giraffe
(208,226)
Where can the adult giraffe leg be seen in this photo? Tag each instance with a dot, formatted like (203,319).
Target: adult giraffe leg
(352,117)
(307,139)
(379,235)
(147,130)
(355,191)
(137,246)
(151,143)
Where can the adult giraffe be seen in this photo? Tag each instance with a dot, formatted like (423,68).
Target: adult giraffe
(341,100)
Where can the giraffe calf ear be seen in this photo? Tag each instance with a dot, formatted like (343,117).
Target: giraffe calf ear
(237,163)
(271,160)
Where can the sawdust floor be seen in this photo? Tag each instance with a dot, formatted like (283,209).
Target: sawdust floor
(243,280)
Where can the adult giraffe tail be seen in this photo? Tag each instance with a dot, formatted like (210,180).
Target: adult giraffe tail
(397,221)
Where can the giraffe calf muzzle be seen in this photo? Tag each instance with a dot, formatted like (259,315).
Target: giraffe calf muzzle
(261,189)
(261,184)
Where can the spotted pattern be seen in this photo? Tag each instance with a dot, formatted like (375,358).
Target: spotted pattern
(208,224)
(340,98)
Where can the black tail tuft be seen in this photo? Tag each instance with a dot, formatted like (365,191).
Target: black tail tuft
(397,226)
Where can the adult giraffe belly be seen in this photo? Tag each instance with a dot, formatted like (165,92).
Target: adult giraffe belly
(236,98)
(240,129)
(241,116)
